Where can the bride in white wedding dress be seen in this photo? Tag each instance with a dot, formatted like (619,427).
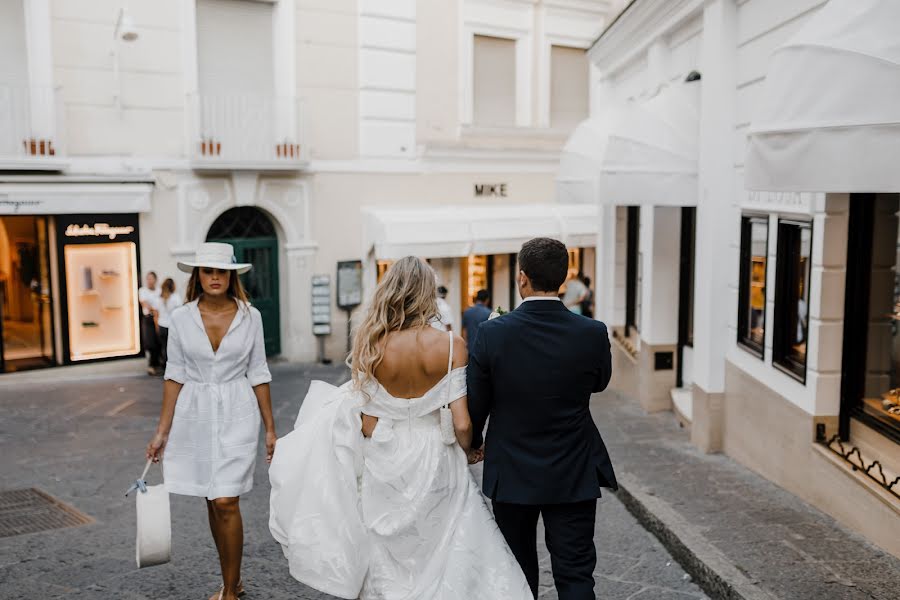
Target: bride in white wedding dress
(368,501)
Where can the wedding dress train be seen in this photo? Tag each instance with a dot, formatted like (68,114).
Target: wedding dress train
(397,516)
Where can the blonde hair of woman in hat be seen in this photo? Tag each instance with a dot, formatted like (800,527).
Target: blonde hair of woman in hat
(216,392)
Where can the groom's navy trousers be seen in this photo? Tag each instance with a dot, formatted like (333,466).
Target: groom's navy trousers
(533,372)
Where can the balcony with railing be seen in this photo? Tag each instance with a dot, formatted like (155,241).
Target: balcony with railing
(247,131)
(31,128)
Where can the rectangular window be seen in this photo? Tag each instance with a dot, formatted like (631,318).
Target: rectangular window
(792,274)
(870,383)
(752,289)
(569,76)
(494,81)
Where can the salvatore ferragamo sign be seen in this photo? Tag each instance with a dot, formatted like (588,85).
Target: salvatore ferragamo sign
(98,230)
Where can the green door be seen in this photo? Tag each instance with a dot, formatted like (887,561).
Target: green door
(261,283)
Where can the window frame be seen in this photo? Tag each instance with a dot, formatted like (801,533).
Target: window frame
(785,275)
(745,343)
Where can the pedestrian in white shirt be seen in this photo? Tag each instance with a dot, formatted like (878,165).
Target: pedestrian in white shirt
(445,322)
(168,301)
(147,297)
(215,394)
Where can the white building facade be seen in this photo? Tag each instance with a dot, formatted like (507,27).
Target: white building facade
(740,155)
(305,132)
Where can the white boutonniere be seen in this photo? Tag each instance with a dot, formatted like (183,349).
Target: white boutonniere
(497,313)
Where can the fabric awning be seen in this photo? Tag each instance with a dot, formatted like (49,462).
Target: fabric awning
(637,153)
(829,118)
(459,231)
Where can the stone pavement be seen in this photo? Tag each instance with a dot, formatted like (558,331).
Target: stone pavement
(717,516)
(82,440)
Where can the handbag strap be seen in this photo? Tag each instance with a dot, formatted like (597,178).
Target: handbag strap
(140,483)
(449,369)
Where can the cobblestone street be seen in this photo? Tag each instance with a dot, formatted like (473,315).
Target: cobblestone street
(82,441)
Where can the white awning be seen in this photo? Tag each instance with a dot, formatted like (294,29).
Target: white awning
(41,198)
(638,153)
(459,231)
(829,117)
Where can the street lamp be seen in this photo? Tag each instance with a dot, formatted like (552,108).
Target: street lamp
(123,32)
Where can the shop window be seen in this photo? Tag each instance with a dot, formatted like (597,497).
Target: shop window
(477,275)
(382,267)
(752,289)
(870,382)
(494,81)
(569,76)
(793,269)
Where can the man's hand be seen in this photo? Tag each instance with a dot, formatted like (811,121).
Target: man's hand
(475,456)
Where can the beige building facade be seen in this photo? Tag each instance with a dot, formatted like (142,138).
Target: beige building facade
(296,129)
(755,250)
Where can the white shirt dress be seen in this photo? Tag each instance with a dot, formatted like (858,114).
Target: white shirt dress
(212,445)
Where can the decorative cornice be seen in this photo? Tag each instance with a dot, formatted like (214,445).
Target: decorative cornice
(643,22)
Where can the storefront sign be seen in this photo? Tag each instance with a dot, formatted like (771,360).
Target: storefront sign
(349,284)
(98,230)
(321,305)
(497,190)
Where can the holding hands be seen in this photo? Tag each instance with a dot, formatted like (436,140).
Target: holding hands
(475,456)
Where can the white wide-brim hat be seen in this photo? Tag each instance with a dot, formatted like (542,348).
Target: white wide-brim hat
(215,255)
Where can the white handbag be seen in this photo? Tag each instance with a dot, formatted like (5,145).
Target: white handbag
(153,544)
(448,432)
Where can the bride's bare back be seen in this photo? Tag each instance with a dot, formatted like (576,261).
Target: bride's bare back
(415,360)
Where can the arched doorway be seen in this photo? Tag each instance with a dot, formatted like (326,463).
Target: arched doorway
(253,236)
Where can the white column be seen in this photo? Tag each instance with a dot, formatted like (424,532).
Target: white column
(717,217)
(660,240)
(605,256)
(284,61)
(40,69)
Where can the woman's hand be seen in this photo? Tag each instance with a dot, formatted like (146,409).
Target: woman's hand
(475,456)
(271,438)
(156,446)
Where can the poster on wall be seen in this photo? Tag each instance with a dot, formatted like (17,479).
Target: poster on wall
(99,278)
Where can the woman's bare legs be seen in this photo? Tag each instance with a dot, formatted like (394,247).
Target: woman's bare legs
(227,528)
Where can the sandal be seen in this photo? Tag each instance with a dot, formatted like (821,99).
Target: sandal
(221,594)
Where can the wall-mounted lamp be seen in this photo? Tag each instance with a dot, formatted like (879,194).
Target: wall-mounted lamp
(124,31)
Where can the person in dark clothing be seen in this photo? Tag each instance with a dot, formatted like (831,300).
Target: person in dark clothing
(533,371)
(587,305)
(474,316)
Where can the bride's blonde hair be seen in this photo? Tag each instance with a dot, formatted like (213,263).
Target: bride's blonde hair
(406,298)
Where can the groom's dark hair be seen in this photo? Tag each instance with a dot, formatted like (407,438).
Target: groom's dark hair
(546,263)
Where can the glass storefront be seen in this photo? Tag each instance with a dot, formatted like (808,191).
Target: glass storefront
(752,298)
(98,258)
(26,315)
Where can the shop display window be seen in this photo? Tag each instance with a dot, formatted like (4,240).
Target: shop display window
(752,289)
(382,267)
(793,270)
(871,364)
(477,276)
(102,300)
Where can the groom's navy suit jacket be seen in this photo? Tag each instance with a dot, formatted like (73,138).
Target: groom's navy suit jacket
(533,372)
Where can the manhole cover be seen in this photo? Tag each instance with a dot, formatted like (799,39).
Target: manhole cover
(31,510)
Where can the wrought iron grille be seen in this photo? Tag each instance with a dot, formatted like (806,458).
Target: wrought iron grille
(241,222)
(873,470)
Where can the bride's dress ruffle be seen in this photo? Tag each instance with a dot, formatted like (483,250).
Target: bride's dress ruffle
(395,517)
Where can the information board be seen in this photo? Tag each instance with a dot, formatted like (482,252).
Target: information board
(349,284)
(321,305)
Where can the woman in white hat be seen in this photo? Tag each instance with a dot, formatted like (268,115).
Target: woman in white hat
(216,391)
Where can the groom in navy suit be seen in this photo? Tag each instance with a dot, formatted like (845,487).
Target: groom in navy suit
(533,372)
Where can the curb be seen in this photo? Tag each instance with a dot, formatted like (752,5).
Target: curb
(710,569)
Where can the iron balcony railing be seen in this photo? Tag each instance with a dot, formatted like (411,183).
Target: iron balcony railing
(247,131)
(31,124)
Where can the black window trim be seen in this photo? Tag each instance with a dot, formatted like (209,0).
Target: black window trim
(780,323)
(747,219)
